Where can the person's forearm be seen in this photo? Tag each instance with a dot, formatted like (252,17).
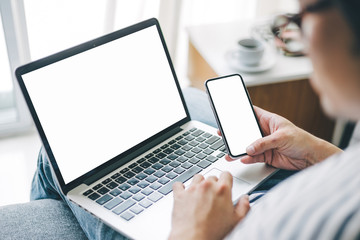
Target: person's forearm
(321,150)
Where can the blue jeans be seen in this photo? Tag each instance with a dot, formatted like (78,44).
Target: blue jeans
(44,185)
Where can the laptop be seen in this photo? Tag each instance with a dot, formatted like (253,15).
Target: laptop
(116,129)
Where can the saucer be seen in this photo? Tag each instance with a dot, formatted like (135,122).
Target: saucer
(267,62)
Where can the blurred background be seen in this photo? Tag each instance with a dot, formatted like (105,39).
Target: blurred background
(34,29)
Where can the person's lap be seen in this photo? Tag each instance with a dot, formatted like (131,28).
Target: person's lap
(44,185)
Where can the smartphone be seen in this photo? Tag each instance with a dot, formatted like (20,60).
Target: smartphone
(234,113)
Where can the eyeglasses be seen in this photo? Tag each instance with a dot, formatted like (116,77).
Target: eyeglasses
(287,28)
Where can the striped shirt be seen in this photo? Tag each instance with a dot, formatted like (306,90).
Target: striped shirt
(321,202)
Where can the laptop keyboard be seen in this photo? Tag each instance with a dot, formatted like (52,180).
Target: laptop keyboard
(138,186)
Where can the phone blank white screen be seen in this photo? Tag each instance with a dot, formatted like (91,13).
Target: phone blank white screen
(100,103)
(234,113)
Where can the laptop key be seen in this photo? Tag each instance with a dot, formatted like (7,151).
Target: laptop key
(203,145)
(103,190)
(155,196)
(116,175)
(120,180)
(197,133)
(160,155)
(194,160)
(212,140)
(115,192)
(168,150)
(189,155)
(147,191)
(157,166)
(153,160)
(127,216)
(204,164)
(94,196)
(174,164)
(180,152)
(196,150)
(145,203)
(163,180)
(151,179)
(104,199)
(175,146)
(211,158)
(181,178)
(136,209)
(156,151)
(145,164)
(183,159)
(88,192)
(123,206)
(133,181)
(159,174)
(155,185)
(134,190)
(137,169)
(113,203)
(186,165)
(129,174)
(124,186)
(141,160)
(106,181)
(165,161)
(201,155)
(124,170)
(167,169)
(138,197)
(217,145)
(132,165)
(208,151)
(179,170)
(112,185)
(143,184)
(171,175)
(149,171)
(125,195)
(141,176)
(98,186)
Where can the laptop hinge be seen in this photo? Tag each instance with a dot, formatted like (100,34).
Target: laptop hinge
(131,156)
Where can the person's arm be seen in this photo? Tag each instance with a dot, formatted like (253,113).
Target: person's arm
(205,209)
(286,146)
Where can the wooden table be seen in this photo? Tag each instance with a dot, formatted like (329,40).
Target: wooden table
(284,89)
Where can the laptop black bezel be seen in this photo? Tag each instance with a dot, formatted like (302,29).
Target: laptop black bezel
(32,66)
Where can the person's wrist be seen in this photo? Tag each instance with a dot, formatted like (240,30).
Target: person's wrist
(185,234)
(321,150)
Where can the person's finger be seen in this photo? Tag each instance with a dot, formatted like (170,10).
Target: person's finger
(253,159)
(229,159)
(197,178)
(226,178)
(242,208)
(218,132)
(262,145)
(212,178)
(177,188)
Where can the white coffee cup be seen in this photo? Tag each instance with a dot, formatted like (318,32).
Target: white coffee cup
(249,52)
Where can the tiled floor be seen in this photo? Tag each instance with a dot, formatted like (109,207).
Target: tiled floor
(18,155)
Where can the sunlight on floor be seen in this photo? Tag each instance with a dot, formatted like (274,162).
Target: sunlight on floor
(18,157)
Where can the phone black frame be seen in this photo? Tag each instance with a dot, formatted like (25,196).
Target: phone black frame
(216,114)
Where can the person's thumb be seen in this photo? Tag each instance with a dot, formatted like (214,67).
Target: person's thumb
(262,145)
(242,208)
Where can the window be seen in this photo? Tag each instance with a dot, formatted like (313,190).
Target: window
(37,28)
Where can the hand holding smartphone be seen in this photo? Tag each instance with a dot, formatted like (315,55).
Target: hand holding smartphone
(234,113)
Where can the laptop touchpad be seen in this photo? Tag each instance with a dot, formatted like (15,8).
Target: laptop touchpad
(240,187)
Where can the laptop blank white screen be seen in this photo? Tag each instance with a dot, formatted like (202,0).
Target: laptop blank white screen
(100,103)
